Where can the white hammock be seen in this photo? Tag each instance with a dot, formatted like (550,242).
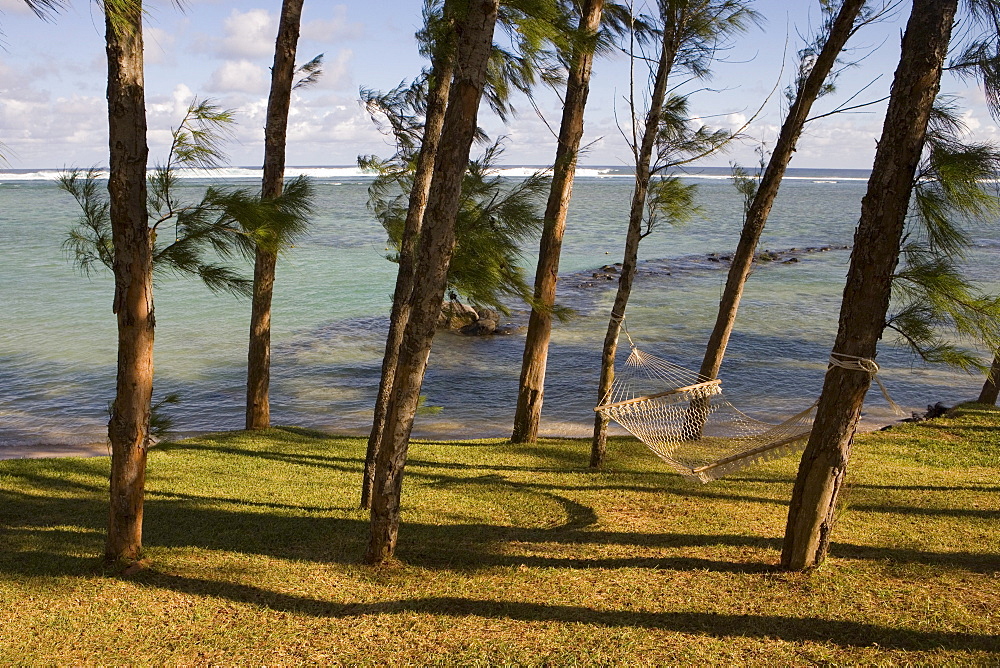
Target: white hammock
(684,419)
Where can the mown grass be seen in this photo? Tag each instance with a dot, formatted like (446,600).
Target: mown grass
(508,555)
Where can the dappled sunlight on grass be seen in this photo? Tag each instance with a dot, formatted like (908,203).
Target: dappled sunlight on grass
(507,554)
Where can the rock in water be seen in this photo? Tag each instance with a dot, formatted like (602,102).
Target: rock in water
(482,327)
(456,315)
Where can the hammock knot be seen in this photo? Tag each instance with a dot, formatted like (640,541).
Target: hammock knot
(854,363)
(867,365)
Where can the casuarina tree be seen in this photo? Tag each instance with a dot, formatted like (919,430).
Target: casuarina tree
(440,44)
(258,405)
(530,25)
(816,62)
(865,304)
(186,238)
(988,395)
(536,344)
(476,20)
(688,35)
(128,429)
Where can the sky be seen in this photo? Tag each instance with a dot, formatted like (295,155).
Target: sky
(53,78)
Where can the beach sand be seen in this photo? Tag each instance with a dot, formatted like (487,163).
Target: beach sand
(41,450)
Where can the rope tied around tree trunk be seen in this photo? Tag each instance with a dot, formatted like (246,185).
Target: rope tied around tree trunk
(869,366)
(624,326)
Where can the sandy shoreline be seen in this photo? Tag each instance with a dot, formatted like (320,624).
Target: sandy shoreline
(42,450)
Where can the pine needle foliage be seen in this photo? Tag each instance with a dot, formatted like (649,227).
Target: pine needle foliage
(679,141)
(669,201)
(496,218)
(534,36)
(807,55)
(980,57)
(705,28)
(44,9)
(192,239)
(938,312)
(310,73)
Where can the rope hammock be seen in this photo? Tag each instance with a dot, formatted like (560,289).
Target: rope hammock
(684,419)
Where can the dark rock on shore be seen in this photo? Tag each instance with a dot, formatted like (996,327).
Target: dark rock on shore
(933,411)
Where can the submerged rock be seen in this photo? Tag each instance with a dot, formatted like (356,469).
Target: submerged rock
(482,327)
(456,315)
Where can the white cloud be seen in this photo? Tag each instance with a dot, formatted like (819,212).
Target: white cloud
(66,131)
(337,71)
(734,121)
(169,108)
(839,142)
(158,46)
(970,121)
(248,34)
(336,29)
(239,76)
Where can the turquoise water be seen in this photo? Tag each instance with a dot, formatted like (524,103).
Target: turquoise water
(57,340)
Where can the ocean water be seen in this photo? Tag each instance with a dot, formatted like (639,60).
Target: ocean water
(333,293)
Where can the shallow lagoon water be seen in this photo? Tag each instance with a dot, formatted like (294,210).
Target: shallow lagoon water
(57,341)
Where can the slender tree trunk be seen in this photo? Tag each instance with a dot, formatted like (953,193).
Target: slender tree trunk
(989,392)
(258,409)
(128,429)
(767,191)
(536,346)
(474,44)
(437,100)
(869,282)
(643,158)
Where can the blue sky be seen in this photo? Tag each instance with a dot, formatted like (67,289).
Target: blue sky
(52,80)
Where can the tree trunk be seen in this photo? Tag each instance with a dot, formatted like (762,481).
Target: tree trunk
(643,157)
(128,429)
(989,392)
(474,45)
(258,408)
(536,346)
(767,191)
(869,282)
(437,99)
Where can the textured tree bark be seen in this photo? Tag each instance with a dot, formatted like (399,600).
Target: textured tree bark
(767,190)
(128,429)
(443,69)
(474,30)
(668,54)
(988,395)
(531,390)
(258,406)
(869,282)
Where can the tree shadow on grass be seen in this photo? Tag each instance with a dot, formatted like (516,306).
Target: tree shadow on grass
(843,633)
(351,464)
(929,488)
(290,534)
(976,513)
(301,459)
(975,562)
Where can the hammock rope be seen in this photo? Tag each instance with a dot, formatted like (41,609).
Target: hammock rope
(690,425)
(855,363)
(683,417)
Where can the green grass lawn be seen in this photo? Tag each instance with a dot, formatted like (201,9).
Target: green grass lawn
(508,555)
